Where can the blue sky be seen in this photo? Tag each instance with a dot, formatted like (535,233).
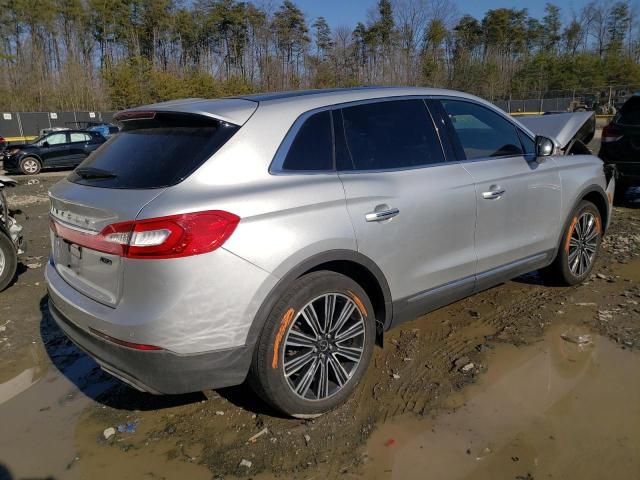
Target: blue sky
(349,12)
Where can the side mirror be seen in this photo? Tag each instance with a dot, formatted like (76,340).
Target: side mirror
(45,144)
(544,147)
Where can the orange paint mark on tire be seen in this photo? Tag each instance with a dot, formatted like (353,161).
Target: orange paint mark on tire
(568,240)
(359,303)
(284,323)
(598,226)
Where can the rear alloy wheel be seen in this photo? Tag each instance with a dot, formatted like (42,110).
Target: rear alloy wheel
(579,247)
(30,166)
(8,261)
(315,346)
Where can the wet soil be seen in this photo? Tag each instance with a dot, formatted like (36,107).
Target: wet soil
(490,372)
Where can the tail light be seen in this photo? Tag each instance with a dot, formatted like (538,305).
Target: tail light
(611,133)
(164,237)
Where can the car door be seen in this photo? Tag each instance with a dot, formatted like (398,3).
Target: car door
(55,149)
(413,212)
(79,147)
(518,196)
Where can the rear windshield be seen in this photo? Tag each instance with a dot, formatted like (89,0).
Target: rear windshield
(630,112)
(154,153)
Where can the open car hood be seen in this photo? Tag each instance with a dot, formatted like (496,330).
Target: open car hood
(562,128)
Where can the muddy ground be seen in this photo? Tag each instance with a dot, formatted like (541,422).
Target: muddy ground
(55,403)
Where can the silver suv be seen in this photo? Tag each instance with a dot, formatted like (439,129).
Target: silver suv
(277,237)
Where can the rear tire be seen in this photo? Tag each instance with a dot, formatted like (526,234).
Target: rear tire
(8,261)
(30,166)
(579,248)
(306,361)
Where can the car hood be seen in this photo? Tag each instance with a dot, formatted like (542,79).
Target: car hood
(21,146)
(563,128)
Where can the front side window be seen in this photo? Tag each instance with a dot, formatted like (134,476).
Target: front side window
(482,132)
(312,148)
(387,135)
(56,138)
(528,145)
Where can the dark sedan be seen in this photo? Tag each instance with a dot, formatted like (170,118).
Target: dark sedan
(621,143)
(54,150)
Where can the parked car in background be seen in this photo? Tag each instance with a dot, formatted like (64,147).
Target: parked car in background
(58,149)
(104,129)
(278,236)
(621,143)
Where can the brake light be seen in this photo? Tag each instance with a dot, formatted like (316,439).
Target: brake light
(134,115)
(611,133)
(165,237)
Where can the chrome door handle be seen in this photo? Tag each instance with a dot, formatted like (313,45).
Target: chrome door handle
(493,194)
(381,215)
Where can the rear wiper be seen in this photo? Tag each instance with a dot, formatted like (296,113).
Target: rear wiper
(90,172)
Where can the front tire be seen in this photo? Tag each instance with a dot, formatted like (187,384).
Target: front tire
(579,247)
(30,166)
(8,261)
(315,346)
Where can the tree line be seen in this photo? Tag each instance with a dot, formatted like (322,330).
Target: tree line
(112,54)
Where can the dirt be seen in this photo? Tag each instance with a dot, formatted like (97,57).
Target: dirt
(432,374)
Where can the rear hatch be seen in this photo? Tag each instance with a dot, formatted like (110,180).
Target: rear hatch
(154,151)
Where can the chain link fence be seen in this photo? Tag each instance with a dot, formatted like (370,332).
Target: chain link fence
(17,126)
(605,100)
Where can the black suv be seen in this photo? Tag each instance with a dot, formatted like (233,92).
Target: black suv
(621,143)
(64,148)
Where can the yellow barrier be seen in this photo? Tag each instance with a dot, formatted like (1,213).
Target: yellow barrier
(19,139)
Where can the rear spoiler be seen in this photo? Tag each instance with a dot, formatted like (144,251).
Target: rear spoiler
(230,110)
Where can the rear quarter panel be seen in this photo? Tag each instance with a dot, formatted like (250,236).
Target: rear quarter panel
(285,218)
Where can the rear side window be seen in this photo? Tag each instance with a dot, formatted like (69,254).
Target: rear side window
(312,148)
(482,132)
(155,153)
(387,135)
(630,112)
(79,137)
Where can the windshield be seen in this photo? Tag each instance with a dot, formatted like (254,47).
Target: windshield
(154,153)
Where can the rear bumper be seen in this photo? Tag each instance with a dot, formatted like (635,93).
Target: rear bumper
(160,372)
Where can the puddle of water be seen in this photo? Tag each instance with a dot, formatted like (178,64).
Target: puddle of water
(38,421)
(16,385)
(554,409)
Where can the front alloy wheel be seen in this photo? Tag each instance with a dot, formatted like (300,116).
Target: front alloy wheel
(578,250)
(583,243)
(30,166)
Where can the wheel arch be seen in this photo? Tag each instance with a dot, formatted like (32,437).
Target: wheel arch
(594,194)
(599,198)
(350,263)
(29,154)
